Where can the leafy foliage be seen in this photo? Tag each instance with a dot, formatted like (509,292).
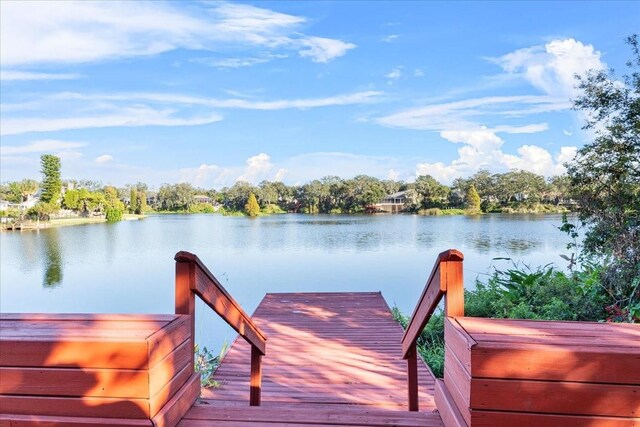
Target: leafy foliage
(520,292)
(605,175)
(472,200)
(252,208)
(206,364)
(51,179)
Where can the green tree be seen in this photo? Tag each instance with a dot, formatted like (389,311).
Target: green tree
(28,187)
(114,208)
(72,199)
(43,211)
(605,174)
(51,181)
(252,208)
(472,200)
(430,192)
(134,201)
(142,202)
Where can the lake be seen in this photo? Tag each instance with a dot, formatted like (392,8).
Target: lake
(128,267)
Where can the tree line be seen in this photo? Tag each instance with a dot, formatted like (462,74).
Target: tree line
(483,191)
(332,194)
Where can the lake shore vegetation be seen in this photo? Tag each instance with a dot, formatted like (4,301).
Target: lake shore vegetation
(510,192)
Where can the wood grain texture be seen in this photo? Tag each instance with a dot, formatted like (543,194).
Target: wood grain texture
(521,419)
(12,420)
(451,416)
(57,367)
(338,351)
(503,372)
(204,284)
(445,278)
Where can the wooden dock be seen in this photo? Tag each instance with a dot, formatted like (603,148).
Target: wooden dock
(322,359)
(335,359)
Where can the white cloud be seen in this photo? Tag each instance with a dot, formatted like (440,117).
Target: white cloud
(280,175)
(552,67)
(258,167)
(105,158)
(241,62)
(321,49)
(394,74)
(532,128)
(389,38)
(467,114)
(202,176)
(482,149)
(144,109)
(567,132)
(34,33)
(566,154)
(418,72)
(8,75)
(41,146)
(127,117)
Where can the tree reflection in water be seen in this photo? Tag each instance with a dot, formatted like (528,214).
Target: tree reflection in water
(52,259)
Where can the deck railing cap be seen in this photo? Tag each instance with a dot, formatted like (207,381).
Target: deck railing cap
(450,255)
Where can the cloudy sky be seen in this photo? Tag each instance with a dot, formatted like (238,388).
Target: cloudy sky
(213,92)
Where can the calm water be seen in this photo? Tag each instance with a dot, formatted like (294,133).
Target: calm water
(128,267)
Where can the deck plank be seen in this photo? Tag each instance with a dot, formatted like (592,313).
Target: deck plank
(332,359)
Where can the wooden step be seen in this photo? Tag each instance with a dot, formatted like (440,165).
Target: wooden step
(206,412)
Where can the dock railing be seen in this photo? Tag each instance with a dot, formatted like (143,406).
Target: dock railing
(445,280)
(194,278)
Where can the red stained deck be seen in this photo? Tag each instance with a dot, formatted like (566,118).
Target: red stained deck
(332,358)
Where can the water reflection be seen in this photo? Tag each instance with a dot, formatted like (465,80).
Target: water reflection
(131,263)
(52,258)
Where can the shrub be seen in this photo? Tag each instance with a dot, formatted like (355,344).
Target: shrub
(252,208)
(113,214)
(273,209)
(524,293)
(201,208)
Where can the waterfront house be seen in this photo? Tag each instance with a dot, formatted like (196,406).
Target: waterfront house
(392,203)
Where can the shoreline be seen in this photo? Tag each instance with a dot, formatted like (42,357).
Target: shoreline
(64,222)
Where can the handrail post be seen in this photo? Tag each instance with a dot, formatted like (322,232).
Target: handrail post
(451,272)
(186,300)
(445,281)
(256,377)
(193,279)
(412,378)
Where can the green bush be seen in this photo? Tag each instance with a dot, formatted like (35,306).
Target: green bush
(272,209)
(201,208)
(524,293)
(113,214)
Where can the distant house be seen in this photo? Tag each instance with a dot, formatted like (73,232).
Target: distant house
(152,198)
(201,198)
(392,203)
(396,198)
(32,200)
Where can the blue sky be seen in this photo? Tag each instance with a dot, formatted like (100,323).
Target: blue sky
(213,92)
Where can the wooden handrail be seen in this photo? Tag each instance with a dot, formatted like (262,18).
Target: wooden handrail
(445,280)
(194,278)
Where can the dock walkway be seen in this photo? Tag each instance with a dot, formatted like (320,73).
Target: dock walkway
(322,359)
(333,358)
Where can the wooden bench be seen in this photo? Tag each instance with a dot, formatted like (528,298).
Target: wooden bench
(502,372)
(92,369)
